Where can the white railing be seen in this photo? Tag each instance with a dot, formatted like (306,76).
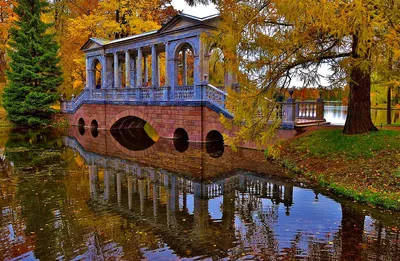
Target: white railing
(307,110)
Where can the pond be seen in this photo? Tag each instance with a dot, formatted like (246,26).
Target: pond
(82,195)
(336,114)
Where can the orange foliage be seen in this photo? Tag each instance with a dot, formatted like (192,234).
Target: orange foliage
(6,19)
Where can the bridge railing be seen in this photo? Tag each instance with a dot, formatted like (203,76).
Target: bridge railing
(292,111)
(186,93)
(215,95)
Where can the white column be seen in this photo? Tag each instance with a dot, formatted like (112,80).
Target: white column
(155,199)
(88,83)
(130,192)
(133,72)
(139,77)
(158,70)
(141,195)
(146,71)
(93,176)
(119,188)
(154,66)
(127,69)
(166,65)
(106,185)
(184,61)
(116,71)
(104,72)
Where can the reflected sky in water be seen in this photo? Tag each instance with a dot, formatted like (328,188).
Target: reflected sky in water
(80,197)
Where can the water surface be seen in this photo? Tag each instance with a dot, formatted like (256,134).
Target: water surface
(73,196)
(336,114)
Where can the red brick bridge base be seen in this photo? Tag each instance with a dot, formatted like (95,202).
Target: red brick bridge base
(197,121)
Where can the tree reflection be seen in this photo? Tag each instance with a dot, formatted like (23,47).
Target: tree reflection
(60,203)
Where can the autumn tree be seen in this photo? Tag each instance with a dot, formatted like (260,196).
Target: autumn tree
(107,19)
(33,74)
(6,20)
(274,41)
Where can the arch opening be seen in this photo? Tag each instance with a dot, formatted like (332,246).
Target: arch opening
(122,75)
(94,124)
(181,134)
(216,68)
(95,132)
(184,65)
(81,126)
(214,136)
(215,144)
(96,79)
(129,122)
(94,128)
(134,133)
(81,122)
(181,140)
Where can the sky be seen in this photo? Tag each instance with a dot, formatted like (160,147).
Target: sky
(199,11)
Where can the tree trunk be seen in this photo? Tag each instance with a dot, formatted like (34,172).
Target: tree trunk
(359,110)
(352,234)
(389,107)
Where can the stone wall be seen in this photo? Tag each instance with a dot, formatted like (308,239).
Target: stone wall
(196,120)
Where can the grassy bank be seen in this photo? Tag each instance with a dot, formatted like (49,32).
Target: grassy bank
(365,168)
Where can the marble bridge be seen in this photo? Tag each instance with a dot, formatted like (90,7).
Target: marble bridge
(164,78)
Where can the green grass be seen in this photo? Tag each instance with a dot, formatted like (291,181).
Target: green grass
(382,199)
(365,177)
(324,143)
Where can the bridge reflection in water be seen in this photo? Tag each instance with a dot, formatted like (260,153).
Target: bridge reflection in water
(181,204)
(196,205)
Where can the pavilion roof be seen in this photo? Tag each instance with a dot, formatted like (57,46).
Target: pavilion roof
(166,27)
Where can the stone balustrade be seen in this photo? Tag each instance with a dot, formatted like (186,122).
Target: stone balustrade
(190,94)
(289,112)
(292,111)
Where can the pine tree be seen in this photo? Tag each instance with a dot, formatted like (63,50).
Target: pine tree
(33,74)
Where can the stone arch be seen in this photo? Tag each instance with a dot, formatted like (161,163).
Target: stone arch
(94,60)
(181,140)
(96,72)
(131,113)
(128,122)
(216,68)
(94,124)
(122,73)
(215,144)
(214,127)
(181,133)
(181,43)
(185,65)
(214,136)
(81,130)
(81,122)
(94,132)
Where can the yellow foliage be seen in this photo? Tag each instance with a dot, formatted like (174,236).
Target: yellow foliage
(7,18)
(135,17)
(268,43)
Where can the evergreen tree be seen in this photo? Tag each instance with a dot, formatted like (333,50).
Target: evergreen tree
(33,74)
